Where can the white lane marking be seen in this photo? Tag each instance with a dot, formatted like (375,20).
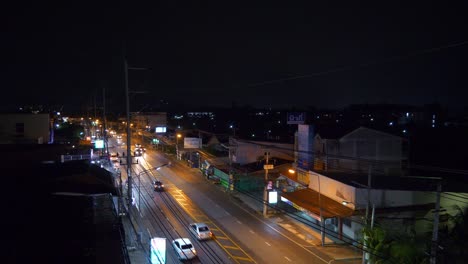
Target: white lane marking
(239,222)
(251,231)
(268,244)
(149,232)
(287,258)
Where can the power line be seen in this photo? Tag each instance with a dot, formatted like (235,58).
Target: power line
(362,65)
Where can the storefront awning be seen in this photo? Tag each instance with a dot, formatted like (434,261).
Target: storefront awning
(309,200)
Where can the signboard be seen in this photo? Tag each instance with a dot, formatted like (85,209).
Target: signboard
(273,197)
(158,250)
(305,147)
(160,130)
(270,185)
(192,143)
(268,166)
(296,118)
(99,144)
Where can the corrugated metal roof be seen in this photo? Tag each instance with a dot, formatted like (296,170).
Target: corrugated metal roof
(309,200)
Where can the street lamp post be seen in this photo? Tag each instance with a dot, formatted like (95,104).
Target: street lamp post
(322,220)
(177,144)
(139,180)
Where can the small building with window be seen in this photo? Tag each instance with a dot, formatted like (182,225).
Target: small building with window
(25,128)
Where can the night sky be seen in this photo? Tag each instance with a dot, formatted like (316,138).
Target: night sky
(264,55)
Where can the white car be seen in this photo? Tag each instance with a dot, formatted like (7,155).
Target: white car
(201,231)
(184,248)
(114,157)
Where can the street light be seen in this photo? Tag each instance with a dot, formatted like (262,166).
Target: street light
(139,180)
(177,144)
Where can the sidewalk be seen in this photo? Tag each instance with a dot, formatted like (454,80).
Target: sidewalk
(135,247)
(339,253)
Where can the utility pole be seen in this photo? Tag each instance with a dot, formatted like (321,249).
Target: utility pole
(365,255)
(106,145)
(129,144)
(129,150)
(435,229)
(265,191)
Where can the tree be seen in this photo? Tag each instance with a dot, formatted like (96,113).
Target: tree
(385,247)
(454,239)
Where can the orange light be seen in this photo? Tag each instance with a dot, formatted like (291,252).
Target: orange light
(291,171)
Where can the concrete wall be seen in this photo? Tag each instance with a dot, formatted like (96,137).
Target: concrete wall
(331,188)
(340,192)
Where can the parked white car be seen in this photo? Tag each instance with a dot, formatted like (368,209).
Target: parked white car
(184,248)
(201,231)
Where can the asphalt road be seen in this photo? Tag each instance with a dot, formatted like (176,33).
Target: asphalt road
(242,236)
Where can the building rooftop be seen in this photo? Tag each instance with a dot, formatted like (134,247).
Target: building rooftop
(58,212)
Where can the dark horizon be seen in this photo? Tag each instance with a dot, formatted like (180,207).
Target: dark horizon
(264,56)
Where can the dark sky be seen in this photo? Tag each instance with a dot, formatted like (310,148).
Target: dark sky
(216,54)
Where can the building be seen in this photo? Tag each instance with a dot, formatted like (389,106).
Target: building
(356,172)
(244,152)
(25,128)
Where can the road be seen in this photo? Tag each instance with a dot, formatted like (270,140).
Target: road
(242,236)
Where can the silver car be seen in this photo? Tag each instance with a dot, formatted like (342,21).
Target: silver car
(184,248)
(201,231)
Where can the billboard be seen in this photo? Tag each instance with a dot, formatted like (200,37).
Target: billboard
(305,147)
(160,130)
(99,144)
(192,143)
(296,118)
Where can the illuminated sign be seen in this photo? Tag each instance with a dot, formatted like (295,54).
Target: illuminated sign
(158,250)
(296,118)
(160,130)
(273,197)
(99,144)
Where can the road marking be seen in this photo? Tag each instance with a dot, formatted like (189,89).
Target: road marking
(149,232)
(287,258)
(239,222)
(251,231)
(279,232)
(268,244)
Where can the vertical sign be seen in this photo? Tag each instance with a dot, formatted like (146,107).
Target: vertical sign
(158,250)
(305,143)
